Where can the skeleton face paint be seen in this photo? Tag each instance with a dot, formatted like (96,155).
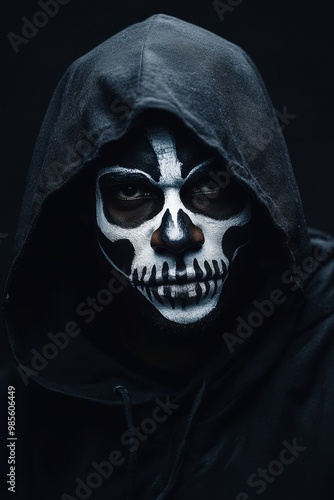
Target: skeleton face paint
(163,226)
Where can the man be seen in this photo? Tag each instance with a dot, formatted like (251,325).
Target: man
(169,313)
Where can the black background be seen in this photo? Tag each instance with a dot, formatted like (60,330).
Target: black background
(291,42)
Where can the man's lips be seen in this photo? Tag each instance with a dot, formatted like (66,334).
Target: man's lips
(174,293)
(196,275)
(185,290)
(183,286)
(175,282)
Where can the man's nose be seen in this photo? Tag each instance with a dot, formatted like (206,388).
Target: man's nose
(177,238)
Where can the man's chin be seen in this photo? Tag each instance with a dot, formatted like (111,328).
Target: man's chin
(182,321)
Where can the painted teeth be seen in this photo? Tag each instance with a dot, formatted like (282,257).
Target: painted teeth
(153,275)
(192,291)
(168,294)
(198,292)
(157,297)
(165,269)
(224,266)
(216,268)
(208,270)
(168,275)
(148,292)
(135,279)
(198,270)
(173,295)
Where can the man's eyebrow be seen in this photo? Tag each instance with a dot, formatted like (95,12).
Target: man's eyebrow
(124,174)
(201,168)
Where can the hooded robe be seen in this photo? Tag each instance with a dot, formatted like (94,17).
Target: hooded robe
(93,422)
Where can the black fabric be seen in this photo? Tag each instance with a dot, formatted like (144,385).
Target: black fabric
(253,395)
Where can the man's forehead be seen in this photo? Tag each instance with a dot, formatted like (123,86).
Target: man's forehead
(163,152)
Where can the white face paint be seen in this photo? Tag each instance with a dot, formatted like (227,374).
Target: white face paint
(182,282)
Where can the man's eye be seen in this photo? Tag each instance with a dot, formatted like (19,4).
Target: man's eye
(129,205)
(219,202)
(131,192)
(209,189)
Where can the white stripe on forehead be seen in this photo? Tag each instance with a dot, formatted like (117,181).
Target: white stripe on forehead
(163,144)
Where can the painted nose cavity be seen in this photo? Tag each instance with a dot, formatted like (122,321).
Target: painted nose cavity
(177,238)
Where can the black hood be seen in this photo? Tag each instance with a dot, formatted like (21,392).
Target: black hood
(165,64)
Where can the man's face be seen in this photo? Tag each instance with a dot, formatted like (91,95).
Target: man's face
(164,206)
